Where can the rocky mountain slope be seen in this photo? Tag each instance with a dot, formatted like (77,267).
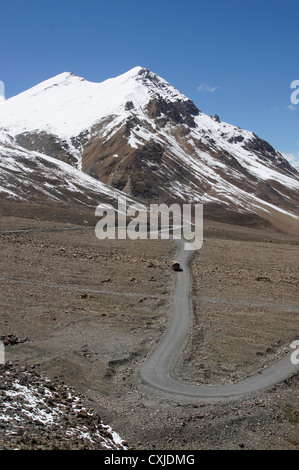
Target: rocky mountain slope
(31,176)
(39,414)
(138,134)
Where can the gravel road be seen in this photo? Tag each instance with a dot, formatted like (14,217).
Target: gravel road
(156,372)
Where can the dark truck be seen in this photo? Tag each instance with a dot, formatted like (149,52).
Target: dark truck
(176,266)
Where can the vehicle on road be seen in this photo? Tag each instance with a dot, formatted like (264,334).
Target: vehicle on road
(176,266)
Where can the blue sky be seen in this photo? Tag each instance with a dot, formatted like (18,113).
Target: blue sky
(233,58)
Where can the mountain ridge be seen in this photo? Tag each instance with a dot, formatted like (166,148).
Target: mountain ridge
(136,133)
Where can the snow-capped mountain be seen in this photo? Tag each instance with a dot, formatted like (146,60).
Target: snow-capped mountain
(138,134)
(31,176)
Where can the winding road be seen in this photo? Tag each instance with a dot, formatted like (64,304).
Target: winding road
(156,371)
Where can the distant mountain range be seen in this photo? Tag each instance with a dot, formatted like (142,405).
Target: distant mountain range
(76,142)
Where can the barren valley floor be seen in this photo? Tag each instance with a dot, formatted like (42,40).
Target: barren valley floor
(89,312)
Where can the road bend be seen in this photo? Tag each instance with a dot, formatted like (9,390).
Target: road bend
(156,371)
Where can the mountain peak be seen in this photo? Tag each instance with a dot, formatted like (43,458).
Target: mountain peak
(139,134)
(64,78)
(66,104)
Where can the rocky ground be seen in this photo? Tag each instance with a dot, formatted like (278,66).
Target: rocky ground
(245,300)
(83,314)
(37,413)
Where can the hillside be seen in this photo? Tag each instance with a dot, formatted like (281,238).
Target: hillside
(138,134)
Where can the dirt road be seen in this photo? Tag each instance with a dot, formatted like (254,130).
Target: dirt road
(156,372)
